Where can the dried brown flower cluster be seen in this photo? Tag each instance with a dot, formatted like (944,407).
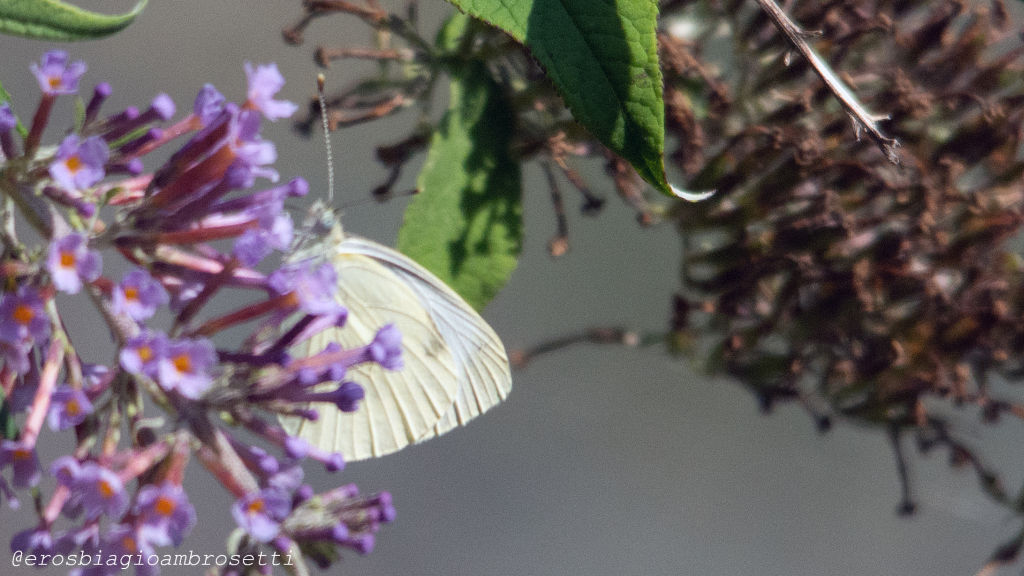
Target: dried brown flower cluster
(828,274)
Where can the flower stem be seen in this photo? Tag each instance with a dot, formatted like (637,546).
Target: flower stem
(47,382)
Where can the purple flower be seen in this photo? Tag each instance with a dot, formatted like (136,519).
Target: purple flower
(142,354)
(361,543)
(347,396)
(32,541)
(264,82)
(246,127)
(100,490)
(386,348)
(287,480)
(15,356)
(254,154)
(260,513)
(7,123)
(124,540)
(100,93)
(131,122)
(23,462)
(186,367)
(55,75)
(70,263)
(165,512)
(86,538)
(138,295)
(312,288)
(296,448)
(257,458)
(79,164)
(329,365)
(190,287)
(7,119)
(22,317)
(274,233)
(65,469)
(277,226)
(358,519)
(295,188)
(337,370)
(209,103)
(334,461)
(96,377)
(68,408)
(161,108)
(251,247)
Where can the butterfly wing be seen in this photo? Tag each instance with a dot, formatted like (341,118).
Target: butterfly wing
(400,406)
(481,364)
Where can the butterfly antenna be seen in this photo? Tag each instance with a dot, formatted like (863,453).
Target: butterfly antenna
(320,82)
(313,220)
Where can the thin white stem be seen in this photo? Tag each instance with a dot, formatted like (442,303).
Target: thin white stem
(862,119)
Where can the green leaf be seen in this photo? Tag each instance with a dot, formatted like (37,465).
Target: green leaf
(55,20)
(602,56)
(453,33)
(466,225)
(8,429)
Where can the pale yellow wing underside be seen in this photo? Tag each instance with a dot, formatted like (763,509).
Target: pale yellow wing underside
(455,366)
(400,405)
(484,377)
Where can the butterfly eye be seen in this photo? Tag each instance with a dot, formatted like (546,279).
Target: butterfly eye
(325,222)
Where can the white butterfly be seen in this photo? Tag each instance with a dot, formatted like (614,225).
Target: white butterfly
(455,366)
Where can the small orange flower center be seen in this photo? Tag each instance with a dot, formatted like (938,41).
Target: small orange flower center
(72,407)
(291,299)
(131,293)
(129,543)
(23,314)
(145,353)
(74,163)
(165,506)
(106,490)
(22,454)
(53,81)
(256,506)
(67,259)
(183,363)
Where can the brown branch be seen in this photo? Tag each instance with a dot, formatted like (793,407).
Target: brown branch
(596,335)
(560,147)
(907,505)
(559,244)
(862,119)
(325,55)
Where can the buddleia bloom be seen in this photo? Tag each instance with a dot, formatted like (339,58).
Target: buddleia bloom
(192,232)
(71,263)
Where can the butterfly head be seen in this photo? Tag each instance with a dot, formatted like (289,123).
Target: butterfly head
(321,226)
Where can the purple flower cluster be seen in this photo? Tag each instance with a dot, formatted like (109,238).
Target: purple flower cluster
(193,231)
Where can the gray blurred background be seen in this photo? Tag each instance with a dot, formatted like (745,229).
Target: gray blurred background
(604,460)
